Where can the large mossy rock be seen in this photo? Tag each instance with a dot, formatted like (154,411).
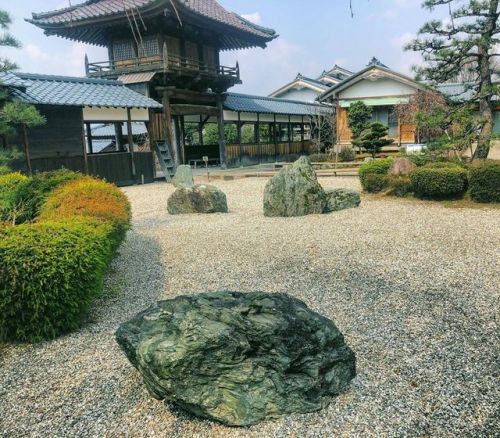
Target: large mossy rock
(341,199)
(198,199)
(294,191)
(183,177)
(401,167)
(238,358)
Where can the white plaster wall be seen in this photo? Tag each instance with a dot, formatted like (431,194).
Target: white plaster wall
(380,88)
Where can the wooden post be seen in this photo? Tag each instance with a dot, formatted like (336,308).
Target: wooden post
(130,137)
(257,137)
(238,130)
(27,148)
(302,136)
(289,134)
(275,139)
(167,118)
(89,137)
(84,148)
(118,136)
(200,130)
(182,140)
(222,139)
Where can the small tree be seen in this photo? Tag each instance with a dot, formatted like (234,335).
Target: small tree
(7,40)
(323,123)
(373,138)
(358,119)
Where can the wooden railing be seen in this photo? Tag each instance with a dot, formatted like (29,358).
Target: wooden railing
(173,63)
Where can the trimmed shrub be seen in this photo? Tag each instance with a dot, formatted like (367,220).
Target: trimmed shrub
(443,165)
(439,182)
(89,198)
(4,170)
(484,181)
(347,154)
(10,184)
(399,185)
(33,194)
(50,273)
(319,158)
(377,167)
(375,182)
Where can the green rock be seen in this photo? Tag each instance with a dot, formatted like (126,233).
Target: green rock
(341,199)
(238,358)
(198,199)
(294,191)
(183,177)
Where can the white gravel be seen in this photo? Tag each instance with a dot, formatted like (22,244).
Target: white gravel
(414,286)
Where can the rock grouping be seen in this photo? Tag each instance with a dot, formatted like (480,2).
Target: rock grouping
(190,198)
(238,358)
(295,191)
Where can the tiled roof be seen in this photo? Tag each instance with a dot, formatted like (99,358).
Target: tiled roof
(460,92)
(270,105)
(66,21)
(70,91)
(11,80)
(136,78)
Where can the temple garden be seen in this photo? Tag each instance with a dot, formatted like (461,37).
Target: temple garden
(411,284)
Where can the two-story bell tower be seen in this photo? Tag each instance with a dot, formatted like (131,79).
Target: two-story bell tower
(167,49)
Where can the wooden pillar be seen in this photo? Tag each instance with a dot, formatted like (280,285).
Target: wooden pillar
(289,134)
(222,139)
(238,130)
(275,139)
(200,130)
(302,136)
(167,122)
(149,127)
(130,137)
(257,137)
(89,137)
(27,148)
(118,136)
(182,139)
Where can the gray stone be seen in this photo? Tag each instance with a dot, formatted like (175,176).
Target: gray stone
(401,166)
(238,358)
(294,191)
(198,199)
(341,199)
(183,177)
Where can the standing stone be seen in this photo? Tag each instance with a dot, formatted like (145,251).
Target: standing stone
(183,177)
(401,166)
(238,358)
(341,199)
(294,191)
(201,198)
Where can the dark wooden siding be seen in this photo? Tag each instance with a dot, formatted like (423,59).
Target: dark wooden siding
(61,136)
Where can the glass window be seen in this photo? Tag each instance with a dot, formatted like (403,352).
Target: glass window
(282,133)
(149,47)
(123,50)
(381,115)
(296,132)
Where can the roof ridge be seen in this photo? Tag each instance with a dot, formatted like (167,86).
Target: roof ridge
(275,99)
(38,15)
(62,78)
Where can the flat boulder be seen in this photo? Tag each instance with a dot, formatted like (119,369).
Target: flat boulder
(294,191)
(201,198)
(183,177)
(401,166)
(238,358)
(341,199)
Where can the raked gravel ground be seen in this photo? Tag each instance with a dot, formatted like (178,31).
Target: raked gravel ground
(414,286)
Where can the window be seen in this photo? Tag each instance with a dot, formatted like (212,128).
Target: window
(381,115)
(149,47)
(123,50)
(282,133)
(248,133)
(265,132)
(297,132)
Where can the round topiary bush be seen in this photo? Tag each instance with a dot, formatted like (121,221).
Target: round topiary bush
(347,154)
(484,181)
(49,274)
(376,167)
(91,198)
(439,182)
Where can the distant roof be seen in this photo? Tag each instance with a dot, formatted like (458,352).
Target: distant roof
(70,91)
(271,105)
(313,84)
(378,70)
(108,129)
(73,22)
(460,91)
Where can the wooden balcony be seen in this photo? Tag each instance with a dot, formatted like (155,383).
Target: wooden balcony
(174,65)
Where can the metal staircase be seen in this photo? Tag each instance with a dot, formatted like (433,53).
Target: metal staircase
(166,160)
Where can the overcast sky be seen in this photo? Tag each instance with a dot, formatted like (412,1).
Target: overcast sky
(314,35)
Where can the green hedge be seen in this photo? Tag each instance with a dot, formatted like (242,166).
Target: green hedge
(399,185)
(484,181)
(10,185)
(376,167)
(49,274)
(32,195)
(439,182)
(374,182)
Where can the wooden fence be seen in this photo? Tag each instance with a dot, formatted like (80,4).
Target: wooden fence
(115,167)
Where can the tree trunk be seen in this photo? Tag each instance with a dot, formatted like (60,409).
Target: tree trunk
(485,101)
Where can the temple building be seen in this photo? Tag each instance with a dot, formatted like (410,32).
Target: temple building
(169,51)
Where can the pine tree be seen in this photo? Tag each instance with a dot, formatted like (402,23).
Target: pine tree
(373,138)
(7,40)
(467,41)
